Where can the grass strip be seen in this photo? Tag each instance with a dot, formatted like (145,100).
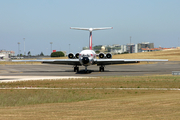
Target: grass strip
(32,97)
(99,105)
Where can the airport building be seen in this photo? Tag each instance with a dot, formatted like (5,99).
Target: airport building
(6,55)
(140,47)
(128,48)
(114,49)
(131,48)
(147,45)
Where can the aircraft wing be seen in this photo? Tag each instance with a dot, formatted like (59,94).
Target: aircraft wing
(54,61)
(124,61)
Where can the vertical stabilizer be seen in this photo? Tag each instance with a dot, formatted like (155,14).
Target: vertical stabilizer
(90,40)
(90,30)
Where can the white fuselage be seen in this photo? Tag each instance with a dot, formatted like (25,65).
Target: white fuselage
(87,57)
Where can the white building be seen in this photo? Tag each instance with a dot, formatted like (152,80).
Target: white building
(6,55)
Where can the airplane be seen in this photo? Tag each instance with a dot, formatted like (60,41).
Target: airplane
(89,57)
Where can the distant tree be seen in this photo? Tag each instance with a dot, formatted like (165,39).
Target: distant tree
(97,51)
(41,54)
(29,53)
(125,53)
(97,47)
(57,54)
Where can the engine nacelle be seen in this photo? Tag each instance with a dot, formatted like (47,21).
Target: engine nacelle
(71,56)
(102,56)
(108,55)
(77,56)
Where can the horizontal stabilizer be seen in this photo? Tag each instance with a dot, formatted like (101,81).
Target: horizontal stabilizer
(79,28)
(102,28)
(91,29)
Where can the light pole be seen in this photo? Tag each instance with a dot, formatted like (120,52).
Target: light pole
(24,47)
(69,48)
(18,48)
(51,46)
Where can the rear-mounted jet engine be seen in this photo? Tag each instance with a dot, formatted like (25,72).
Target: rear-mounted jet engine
(77,56)
(105,56)
(108,55)
(102,56)
(71,56)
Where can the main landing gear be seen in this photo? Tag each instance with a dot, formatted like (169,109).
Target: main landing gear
(101,68)
(76,69)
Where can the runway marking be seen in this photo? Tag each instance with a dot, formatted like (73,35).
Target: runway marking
(27,78)
(40,88)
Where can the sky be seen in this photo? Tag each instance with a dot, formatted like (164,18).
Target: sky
(43,21)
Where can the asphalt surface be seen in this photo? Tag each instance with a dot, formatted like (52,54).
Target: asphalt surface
(93,71)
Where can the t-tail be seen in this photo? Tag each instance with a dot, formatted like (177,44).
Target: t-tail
(90,35)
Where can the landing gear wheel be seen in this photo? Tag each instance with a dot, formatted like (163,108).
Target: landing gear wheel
(86,69)
(76,69)
(101,69)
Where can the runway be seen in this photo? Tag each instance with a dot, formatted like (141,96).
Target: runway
(48,71)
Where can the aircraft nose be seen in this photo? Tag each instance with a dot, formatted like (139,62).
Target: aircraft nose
(85,60)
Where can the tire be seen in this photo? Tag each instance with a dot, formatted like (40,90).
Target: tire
(75,69)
